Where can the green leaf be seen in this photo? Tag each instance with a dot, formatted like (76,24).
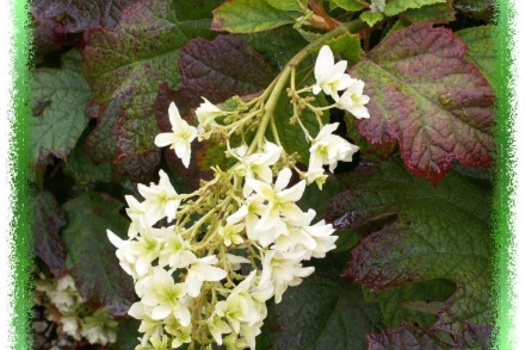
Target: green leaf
(441,232)
(479,9)
(278,45)
(59,98)
(348,5)
(128,64)
(324,312)
(417,302)
(48,219)
(249,16)
(438,13)
(481,50)
(288,5)
(436,115)
(80,167)
(127,334)
(395,7)
(90,255)
(348,45)
(371,18)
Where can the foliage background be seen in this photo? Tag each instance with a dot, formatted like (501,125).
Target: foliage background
(120,103)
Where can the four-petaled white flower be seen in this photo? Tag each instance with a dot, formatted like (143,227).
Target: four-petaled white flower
(160,200)
(329,149)
(354,101)
(202,270)
(330,77)
(181,136)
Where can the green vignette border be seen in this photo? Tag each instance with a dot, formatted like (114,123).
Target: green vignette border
(19,231)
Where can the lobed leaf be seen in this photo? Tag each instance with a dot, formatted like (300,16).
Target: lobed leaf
(324,312)
(395,7)
(80,167)
(91,257)
(481,50)
(76,16)
(440,232)
(59,97)
(429,98)
(348,5)
(437,13)
(128,63)
(217,70)
(48,219)
(249,16)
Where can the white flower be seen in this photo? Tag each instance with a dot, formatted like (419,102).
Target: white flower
(330,77)
(329,149)
(200,271)
(70,326)
(317,175)
(181,137)
(321,232)
(138,254)
(160,200)
(217,327)
(137,213)
(206,114)
(176,251)
(354,101)
(377,6)
(230,234)
(281,201)
(159,291)
(148,326)
(284,269)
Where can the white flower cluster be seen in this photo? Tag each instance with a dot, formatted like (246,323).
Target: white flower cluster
(73,316)
(204,264)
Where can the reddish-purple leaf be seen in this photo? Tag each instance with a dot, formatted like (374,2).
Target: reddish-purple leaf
(222,68)
(128,63)
(424,233)
(405,337)
(76,16)
(47,221)
(429,98)
(217,70)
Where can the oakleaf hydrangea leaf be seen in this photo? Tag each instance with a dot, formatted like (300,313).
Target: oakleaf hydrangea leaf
(440,232)
(91,257)
(428,97)
(128,63)
(249,16)
(395,7)
(324,312)
(349,5)
(59,98)
(481,50)
(216,70)
(437,13)
(48,219)
(76,16)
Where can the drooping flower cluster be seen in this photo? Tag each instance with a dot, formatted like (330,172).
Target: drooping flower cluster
(205,263)
(64,306)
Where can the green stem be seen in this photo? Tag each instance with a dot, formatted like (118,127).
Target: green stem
(282,79)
